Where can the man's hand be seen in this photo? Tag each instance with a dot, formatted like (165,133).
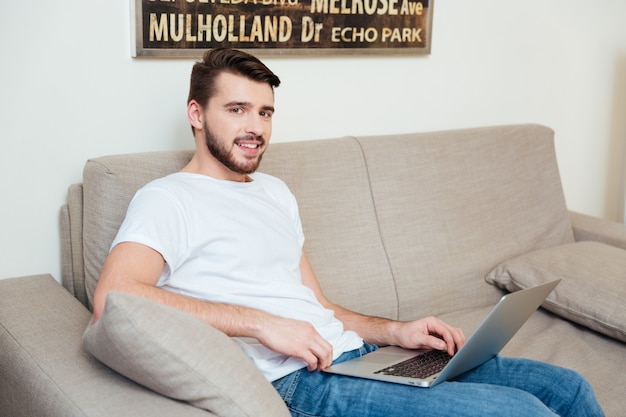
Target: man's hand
(296,338)
(429,333)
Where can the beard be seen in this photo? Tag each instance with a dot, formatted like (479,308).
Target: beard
(224,153)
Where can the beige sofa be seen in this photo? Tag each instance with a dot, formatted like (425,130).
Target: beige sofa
(401,226)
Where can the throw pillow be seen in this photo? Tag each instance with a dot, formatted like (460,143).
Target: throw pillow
(178,356)
(593,286)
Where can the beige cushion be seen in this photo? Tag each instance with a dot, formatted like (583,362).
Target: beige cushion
(593,287)
(180,357)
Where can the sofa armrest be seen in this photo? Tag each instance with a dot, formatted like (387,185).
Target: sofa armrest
(44,369)
(589,228)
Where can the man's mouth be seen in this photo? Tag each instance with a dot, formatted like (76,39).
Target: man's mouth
(249,145)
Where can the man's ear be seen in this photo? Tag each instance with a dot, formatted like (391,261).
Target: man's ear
(195,115)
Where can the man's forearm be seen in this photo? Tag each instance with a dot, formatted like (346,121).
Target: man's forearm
(376,330)
(427,333)
(231,319)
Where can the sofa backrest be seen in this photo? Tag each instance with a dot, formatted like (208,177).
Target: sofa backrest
(453,205)
(399,226)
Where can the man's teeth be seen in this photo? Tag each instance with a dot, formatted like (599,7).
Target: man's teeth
(249,145)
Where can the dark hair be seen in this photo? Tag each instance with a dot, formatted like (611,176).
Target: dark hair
(218,60)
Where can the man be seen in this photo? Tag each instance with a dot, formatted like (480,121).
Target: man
(224,243)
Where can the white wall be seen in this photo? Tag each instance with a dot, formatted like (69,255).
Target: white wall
(69,90)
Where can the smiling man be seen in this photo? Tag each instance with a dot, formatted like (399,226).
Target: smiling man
(224,243)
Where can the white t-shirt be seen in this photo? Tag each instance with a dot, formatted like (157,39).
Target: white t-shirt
(236,243)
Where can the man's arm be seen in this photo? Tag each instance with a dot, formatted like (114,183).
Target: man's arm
(429,332)
(135,269)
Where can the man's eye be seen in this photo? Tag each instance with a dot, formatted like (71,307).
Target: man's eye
(267,114)
(236,110)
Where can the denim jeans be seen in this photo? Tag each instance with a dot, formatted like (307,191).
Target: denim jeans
(500,387)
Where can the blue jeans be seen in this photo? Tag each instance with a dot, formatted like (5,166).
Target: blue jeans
(500,387)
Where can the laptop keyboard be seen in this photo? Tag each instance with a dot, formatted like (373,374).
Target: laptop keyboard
(421,366)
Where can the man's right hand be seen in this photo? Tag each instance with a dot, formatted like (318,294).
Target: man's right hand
(296,338)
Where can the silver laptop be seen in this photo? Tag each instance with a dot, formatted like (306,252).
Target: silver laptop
(391,363)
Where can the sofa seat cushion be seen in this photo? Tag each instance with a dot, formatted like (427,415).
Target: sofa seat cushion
(180,357)
(593,287)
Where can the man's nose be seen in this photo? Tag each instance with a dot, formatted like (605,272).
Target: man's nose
(256,125)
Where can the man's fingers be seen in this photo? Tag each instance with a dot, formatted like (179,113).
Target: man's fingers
(454,339)
(311,361)
(318,357)
(444,336)
(324,353)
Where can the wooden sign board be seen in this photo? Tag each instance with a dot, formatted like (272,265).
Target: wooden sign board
(186,28)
